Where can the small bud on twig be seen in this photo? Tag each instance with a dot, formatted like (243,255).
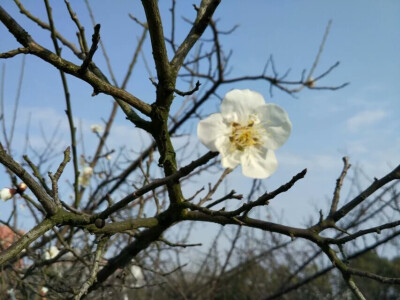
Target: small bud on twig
(100,223)
(21,188)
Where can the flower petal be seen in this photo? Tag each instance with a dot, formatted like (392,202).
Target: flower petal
(259,164)
(277,124)
(239,104)
(6,194)
(210,129)
(229,159)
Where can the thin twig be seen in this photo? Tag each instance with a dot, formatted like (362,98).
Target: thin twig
(93,48)
(339,183)
(14,52)
(95,267)
(68,111)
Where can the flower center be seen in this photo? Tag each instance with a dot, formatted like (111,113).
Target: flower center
(244,136)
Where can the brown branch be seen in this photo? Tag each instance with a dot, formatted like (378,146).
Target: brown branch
(156,183)
(231,195)
(44,199)
(142,241)
(336,216)
(37,174)
(339,182)
(376,229)
(213,189)
(68,111)
(160,55)
(54,178)
(123,226)
(25,241)
(46,26)
(14,52)
(95,267)
(263,200)
(81,29)
(250,222)
(204,14)
(178,244)
(320,50)
(93,48)
(382,279)
(103,48)
(188,93)
(99,85)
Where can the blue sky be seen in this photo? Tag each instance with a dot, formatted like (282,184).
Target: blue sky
(361,120)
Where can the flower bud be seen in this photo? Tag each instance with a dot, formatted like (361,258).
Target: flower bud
(100,223)
(96,128)
(310,83)
(87,171)
(21,188)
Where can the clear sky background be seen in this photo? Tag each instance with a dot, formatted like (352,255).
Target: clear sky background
(360,121)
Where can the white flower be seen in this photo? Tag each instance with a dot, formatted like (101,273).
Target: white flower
(83,181)
(84,177)
(108,157)
(137,275)
(43,291)
(51,253)
(87,171)
(246,132)
(6,194)
(96,128)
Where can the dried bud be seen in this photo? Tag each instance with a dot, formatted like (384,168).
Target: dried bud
(100,223)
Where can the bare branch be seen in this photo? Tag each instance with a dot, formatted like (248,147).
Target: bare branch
(93,48)
(339,182)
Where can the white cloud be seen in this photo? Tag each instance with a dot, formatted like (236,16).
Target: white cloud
(365,119)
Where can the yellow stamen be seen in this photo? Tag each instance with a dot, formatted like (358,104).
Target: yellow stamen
(244,136)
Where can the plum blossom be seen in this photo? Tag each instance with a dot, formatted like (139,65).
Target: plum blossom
(246,132)
(138,276)
(51,253)
(96,128)
(11,293)
(7,193)
(43,292)
(84,176)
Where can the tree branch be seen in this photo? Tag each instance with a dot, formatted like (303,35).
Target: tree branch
(98,84)
(204,14)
